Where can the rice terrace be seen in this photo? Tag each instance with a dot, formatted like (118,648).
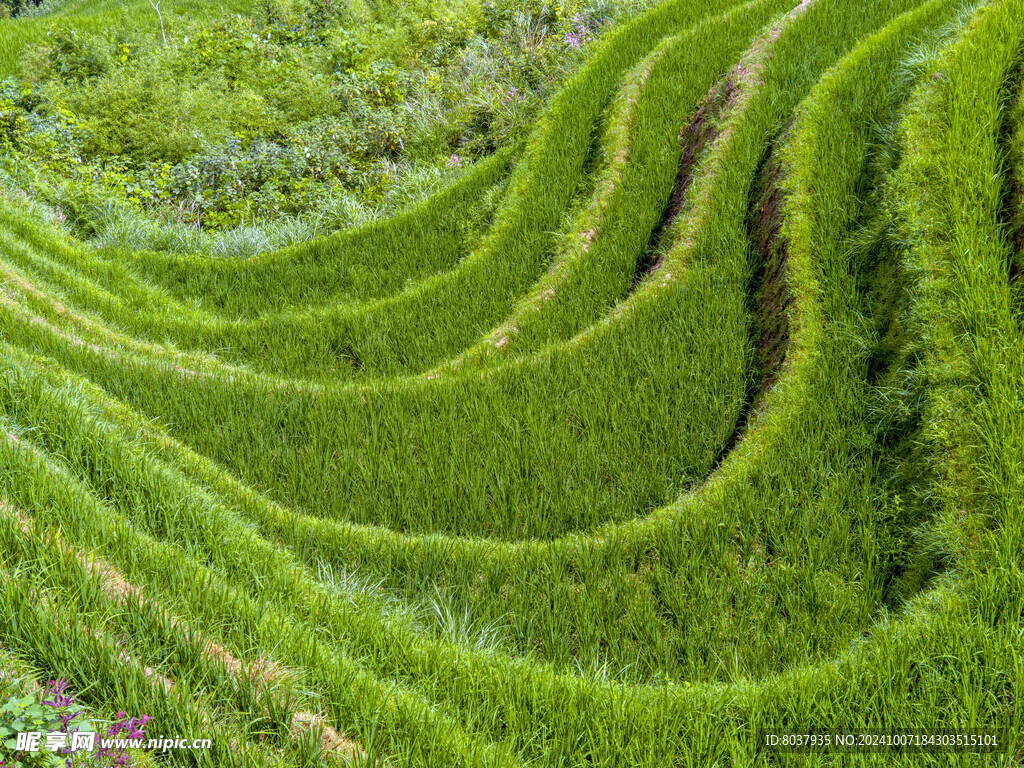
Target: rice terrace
(512,383)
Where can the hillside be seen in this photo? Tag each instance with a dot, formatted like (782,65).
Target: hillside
(515,383)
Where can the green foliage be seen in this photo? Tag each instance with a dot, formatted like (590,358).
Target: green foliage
(43,713)
(345,53)
(500,14)
(25,9)
(13,126)
(291,87)
(75,57)
(26,714)
(293,21)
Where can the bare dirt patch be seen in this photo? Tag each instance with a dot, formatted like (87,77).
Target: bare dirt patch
(699,134)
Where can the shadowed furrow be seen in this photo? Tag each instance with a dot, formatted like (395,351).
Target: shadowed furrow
(596,266)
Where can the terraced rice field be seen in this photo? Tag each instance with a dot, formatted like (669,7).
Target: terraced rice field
(713,430)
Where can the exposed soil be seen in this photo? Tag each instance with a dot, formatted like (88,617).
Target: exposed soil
(768,293)
(699,133)
(703,130)
(330,740)
(768,290)
(1012,210)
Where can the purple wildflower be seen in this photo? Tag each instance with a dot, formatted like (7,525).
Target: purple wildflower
(580,35)
(126,728)
(58,699)
(56,688)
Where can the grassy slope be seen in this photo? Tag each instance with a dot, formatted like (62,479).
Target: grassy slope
(367,262)
(537,428)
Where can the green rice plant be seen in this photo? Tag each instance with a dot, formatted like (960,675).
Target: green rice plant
(367,262)
(16,677)
(264,696)
(178,577)
(946,197)
(594,499)
(49,706)
(48,625)
(648,620)
(934,246)
(948,203)
(417,242)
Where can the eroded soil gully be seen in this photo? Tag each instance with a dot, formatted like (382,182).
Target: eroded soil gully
(701,132)
(768,293)
(588,223)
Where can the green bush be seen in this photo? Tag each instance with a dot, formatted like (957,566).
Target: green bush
(51,711)
(293,21)
(12,126)
(345,53)
(74,56)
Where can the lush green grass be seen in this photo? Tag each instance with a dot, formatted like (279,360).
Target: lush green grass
(613,474)
(77,420)
(598,264)
(773,485)
(17,35)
